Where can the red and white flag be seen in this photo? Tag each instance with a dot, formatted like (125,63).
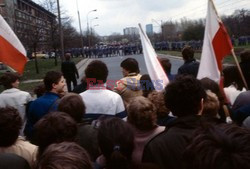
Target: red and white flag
(12,52)
(216,46)
(155,70)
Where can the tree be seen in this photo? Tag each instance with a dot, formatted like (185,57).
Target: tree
(194,32)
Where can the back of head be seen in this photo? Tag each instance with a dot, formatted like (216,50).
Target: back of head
(220,146)
(211,104)
(116,141)
(142,113)
(157,98)
(73,105)
(147,85)
(131,65)
(187,53)
(10,125)
(211,85)
(97,71)
(8,78)
(245,56)
(166,65)
(67,56)
(39,90)
(13,161)
(67,155)
(54,127)
(183,96)
(51,77)
(231,76)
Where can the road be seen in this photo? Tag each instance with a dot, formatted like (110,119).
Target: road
(113,64)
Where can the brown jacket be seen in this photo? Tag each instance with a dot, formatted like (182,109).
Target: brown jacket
(129,87)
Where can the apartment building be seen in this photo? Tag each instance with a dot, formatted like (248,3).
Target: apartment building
(31,22)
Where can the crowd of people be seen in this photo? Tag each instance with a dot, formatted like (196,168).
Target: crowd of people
(190,124)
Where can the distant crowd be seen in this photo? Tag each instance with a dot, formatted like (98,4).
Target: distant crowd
(188,124)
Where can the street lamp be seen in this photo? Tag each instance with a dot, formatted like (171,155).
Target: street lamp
(90,37)
(79,19)
(91,30)
(88,24)
(60,30)
(161,26)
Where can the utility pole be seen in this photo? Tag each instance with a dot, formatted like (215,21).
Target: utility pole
(80,27)
(60,30)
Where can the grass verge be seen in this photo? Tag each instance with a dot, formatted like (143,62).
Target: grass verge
(44,66)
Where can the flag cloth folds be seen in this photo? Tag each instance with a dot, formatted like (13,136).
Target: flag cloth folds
(155,70)
(12,52)
(216,45)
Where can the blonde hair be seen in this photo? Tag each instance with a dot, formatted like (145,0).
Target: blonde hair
(142,113)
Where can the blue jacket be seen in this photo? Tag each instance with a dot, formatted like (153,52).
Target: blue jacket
(38,108)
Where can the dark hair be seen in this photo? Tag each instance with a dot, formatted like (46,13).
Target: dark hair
(97,70)
(64,155)
(209,84)
(51,77)
(245,56)
(39,90)
(67,56)
(232,76)
(187,53)
(142,113)
(54,127)
(73,105)
(147,85)
(13,161)
(10,125)
(131,65)
(183,95)
(8,78)
(166,65)
(116,141)
(220,146)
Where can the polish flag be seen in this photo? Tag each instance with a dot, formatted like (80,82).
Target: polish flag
(155,70)
(12,52)
(216,46)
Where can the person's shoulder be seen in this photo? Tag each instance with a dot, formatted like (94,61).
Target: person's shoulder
(158,138)
(112,93)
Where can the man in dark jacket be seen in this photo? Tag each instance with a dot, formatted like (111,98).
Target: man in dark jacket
(69,71)
(190,66)
(184,97)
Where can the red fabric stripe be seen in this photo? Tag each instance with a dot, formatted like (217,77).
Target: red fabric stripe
(222,45)
(10,56)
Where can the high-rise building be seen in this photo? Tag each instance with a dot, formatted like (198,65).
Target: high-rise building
(131,31)
(29,21)
(149,29)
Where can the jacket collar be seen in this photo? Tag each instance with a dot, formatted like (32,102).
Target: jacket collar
(12,90)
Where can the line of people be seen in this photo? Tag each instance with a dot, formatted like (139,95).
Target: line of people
(125,124)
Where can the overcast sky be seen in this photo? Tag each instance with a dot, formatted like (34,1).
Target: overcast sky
(114,15)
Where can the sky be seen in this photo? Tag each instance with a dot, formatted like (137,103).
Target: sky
(115,15)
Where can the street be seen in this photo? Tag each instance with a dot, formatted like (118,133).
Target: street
(115,73)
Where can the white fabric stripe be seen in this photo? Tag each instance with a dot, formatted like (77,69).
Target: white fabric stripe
(208,64)
(154,67)
(7,33)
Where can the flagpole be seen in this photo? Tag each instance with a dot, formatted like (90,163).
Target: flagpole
(240,71)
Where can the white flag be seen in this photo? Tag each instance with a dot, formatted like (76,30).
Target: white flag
(155,70)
